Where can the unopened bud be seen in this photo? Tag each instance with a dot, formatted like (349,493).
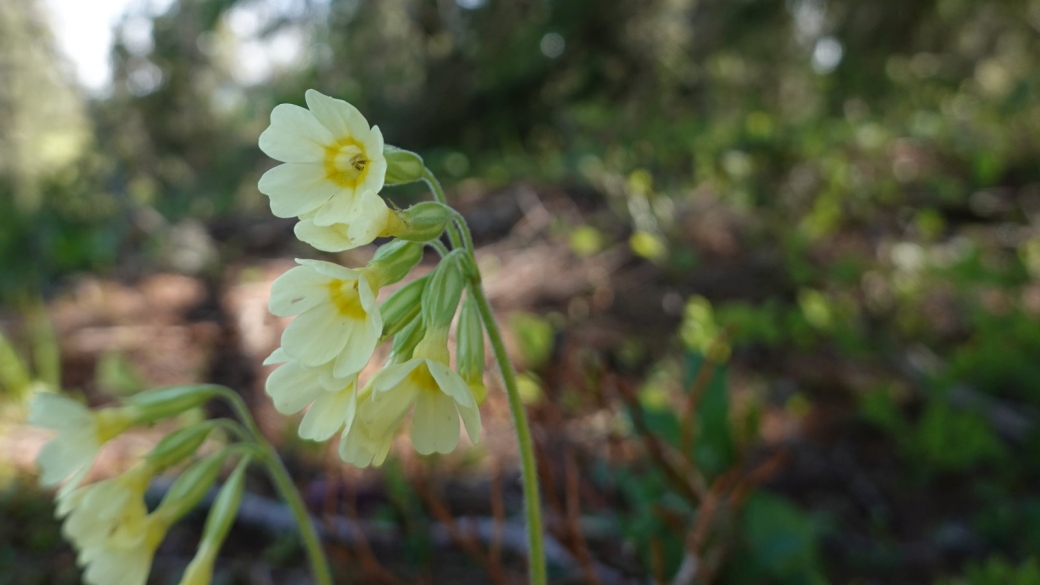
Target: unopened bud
(423,222)
(469,351)
(225,507)
(176,446)
(392,262)
(402,166)
(442,294)
(406,340)
(167,402)
(221,517)
(189,489)
(402,306)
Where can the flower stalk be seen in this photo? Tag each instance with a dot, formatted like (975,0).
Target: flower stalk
(528,465)
(286,488)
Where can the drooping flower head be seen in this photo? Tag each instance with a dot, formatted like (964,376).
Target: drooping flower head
(337,318)
(294,386)
(110,511)
(81,432)
(423,385)
(128,560)
(332,157)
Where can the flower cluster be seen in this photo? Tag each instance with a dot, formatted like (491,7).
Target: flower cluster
(108,523)
(334,167)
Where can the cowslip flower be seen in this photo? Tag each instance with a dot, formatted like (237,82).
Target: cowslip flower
(362,444)
(434,393)
(331,157)
(81,432)
(111,510)
(369,219)
(337,318)
(294,386)
(128,560)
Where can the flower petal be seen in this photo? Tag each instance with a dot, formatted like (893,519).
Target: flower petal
(454,386)
(54,411)
(278,356)
(297,188)
(328,414)
(295,135)
(386,409)
(329,269)
(338,209)
(300,289)
(317,336)
(292,387)
(357,352)
(361,447)
(339,117)
(435,423)
(329,238)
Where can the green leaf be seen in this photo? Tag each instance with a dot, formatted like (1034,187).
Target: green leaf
(780,541)
(714,446)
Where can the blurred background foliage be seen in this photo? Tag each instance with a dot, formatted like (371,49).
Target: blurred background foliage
(839,201)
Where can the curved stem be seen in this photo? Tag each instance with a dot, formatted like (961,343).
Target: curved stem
(529,471)
(232,427)
(284,483)
(437,245)
(438,194)
(467,236)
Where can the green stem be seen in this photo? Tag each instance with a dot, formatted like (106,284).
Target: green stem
(437,245)
(529,472)
(284,483)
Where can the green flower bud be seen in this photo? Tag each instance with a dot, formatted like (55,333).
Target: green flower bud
(225,507)
(221,517)
(164,403)
(173,448)
(423,222)
(392,262)
(189,489)
(402,166)
(405,341)
(402,306)
(442,294)
(469,350)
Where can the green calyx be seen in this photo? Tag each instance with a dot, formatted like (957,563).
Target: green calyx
(402,166)
(168,402)
(178,445)
(424,221)
(469,352)
(402,307)
(392,262)
(443,292)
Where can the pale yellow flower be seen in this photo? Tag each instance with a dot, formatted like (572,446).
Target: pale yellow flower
(337,318)
(369,219)
(437,393)
(81,432)
(331,157)
(294,386)
(361,445)
(110,511)
(128,560)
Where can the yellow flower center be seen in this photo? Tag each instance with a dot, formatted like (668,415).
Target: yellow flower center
(344,296)
(421,378)
(345,162)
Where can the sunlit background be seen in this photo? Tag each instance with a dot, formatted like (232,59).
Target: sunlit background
(770,271)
